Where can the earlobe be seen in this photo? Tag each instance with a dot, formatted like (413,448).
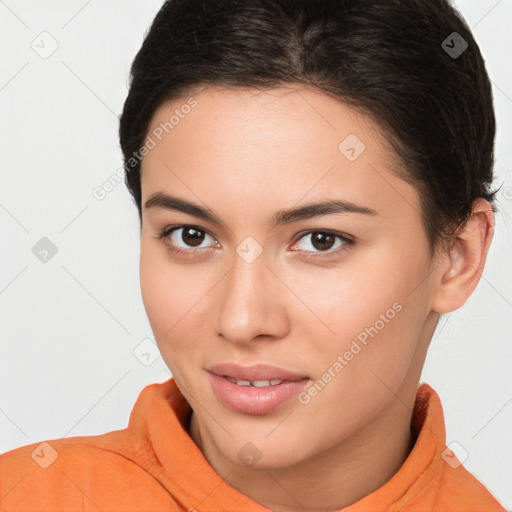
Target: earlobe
(461,267)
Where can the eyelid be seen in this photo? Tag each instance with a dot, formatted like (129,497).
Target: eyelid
(348,240)
(166,232)
(344,236)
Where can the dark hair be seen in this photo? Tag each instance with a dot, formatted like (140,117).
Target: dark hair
(412,65)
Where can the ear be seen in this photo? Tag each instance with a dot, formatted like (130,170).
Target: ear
(460,266)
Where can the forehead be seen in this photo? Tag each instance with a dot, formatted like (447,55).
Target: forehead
(282,114)
(285,143)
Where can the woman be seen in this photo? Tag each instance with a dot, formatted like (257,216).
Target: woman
(313,181)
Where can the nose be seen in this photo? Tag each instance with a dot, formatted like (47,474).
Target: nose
(251,303)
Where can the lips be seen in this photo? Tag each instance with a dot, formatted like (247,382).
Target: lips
(255,373)
(255,390)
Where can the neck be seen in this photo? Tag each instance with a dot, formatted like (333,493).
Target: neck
(331,480)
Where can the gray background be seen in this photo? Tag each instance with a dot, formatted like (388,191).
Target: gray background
(74,329)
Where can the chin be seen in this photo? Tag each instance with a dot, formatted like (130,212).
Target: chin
(261,452)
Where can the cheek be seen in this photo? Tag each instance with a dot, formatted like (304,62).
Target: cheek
(341,303)
(155,287)
(358,371)
(377,323)
(360,324)
(164,292)
(173,296)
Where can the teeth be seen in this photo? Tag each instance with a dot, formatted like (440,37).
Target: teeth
(254,383)
(260,383)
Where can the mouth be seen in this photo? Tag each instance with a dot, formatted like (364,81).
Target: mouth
(255,390)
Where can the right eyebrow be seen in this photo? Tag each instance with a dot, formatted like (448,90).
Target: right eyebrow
(167,202)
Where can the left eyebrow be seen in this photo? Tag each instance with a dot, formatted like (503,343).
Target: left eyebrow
(309,211)
(317,209)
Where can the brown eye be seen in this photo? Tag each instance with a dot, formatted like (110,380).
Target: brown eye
(192,236)
(189,237)
(322,242)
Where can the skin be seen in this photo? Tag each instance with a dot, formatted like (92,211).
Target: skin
(244,155)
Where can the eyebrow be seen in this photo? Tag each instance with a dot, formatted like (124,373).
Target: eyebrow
(308,211)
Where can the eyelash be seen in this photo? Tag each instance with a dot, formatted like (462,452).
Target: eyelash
(348,243)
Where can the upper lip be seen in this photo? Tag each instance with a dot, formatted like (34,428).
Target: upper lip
(254,372)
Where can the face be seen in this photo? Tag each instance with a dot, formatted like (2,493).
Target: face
(336,299)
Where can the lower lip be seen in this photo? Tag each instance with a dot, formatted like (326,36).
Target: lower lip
(253,400)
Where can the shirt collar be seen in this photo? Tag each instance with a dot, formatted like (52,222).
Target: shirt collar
(162,412)
(423,467)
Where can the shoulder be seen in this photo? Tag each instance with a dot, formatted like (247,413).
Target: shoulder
(79,473)
(460,488)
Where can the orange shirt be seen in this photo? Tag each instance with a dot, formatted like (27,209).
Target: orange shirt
(154,465)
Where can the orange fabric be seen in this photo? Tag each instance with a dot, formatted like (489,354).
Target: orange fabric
(154,465)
